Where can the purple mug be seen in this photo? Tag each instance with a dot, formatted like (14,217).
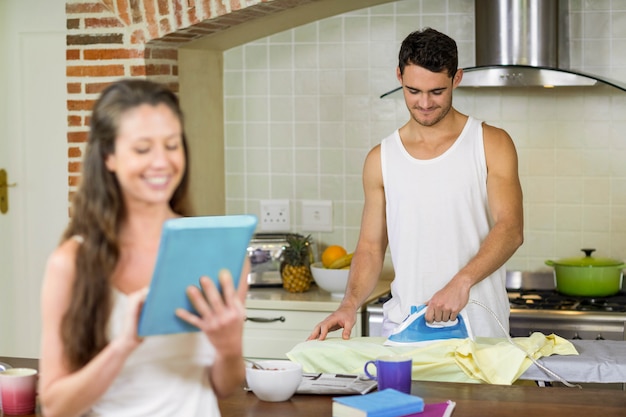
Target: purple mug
(391,372)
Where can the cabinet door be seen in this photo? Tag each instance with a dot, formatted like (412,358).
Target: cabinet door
(272,333)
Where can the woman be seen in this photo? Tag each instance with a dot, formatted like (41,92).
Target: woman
(135,176)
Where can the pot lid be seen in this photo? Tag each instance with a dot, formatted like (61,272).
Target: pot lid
(588,260)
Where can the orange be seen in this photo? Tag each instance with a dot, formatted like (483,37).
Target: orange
(331,254)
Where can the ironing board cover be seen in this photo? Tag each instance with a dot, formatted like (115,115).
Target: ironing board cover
(485,360)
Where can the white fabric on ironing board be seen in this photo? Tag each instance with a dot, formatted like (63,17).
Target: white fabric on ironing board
(486,360)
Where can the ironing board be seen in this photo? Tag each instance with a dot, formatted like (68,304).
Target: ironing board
(580,361)
(598,361)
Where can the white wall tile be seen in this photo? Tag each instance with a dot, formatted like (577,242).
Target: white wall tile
(256,83)
(233,83)
(256,135)
(355,28)
(281,56)
(282,161)
(281,135)
(568,218)
(256,56)
(331,82)
(331,55)
(597,24)
(568,190)
(597,191)
(306,134)
(281,109)
(331,30)
(434,7)
(258,186)
(306,56)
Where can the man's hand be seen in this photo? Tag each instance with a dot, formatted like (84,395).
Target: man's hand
(446,303)
(344,317)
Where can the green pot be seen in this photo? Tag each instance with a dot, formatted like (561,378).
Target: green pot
(588,276)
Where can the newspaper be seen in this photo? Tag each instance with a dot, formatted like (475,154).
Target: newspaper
(335,384)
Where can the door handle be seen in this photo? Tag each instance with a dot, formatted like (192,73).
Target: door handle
(266,319)
(4,191)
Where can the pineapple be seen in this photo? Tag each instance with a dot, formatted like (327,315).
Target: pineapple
(295,270)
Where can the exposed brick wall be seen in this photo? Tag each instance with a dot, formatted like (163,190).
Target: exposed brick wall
(110,39)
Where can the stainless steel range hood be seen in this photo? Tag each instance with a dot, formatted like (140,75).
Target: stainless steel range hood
(524,43)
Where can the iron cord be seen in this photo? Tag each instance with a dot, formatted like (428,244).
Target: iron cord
(528,355)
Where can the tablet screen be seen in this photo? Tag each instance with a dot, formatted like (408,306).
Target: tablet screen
(192,247)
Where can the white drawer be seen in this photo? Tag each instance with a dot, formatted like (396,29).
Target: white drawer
(273,333)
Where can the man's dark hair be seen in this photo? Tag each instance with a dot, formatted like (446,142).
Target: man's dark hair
(429,49)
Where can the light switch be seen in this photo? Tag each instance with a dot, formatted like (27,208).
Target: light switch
(317,215)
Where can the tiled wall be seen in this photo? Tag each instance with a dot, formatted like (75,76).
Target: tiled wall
(302,111)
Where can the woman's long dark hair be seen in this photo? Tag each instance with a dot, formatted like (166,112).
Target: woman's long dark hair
(98,211)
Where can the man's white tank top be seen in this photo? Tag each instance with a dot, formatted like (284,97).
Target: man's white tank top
(437,218)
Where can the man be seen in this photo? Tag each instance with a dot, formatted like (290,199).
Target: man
(443,191)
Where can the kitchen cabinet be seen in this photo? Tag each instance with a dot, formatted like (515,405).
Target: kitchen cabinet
(278,320)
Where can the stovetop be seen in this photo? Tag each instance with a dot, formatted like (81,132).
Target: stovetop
(553,300)
(530,291)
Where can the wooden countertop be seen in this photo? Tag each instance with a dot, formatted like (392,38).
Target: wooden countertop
(472,400)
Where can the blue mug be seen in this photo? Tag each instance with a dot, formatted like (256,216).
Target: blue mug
(391,372)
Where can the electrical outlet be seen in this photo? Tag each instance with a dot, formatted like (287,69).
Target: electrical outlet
(275,216)
(317,215)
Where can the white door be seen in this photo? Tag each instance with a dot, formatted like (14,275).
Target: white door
(33,151)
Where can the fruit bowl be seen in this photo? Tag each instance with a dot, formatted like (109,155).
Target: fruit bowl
(332,280)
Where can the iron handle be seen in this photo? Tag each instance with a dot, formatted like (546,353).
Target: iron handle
(265,319)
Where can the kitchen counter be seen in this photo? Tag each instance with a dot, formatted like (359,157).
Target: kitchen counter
(316,299)
(277,320)
(472,400)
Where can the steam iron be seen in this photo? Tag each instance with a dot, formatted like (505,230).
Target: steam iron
(415,331)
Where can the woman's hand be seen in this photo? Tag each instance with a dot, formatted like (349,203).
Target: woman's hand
(128,340)
(221,318)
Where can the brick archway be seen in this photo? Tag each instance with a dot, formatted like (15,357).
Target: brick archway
(111,39)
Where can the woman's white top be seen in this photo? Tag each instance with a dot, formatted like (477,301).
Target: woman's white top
(165,376)
(437,217)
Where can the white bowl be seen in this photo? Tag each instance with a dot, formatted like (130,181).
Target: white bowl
(278,382)
(332,280)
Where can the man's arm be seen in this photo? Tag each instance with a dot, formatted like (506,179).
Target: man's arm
(369,254)
(507,234)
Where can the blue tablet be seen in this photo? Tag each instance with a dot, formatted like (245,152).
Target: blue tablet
(192,247)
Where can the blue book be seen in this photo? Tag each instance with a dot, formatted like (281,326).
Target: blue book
(386,403)
(192,247)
